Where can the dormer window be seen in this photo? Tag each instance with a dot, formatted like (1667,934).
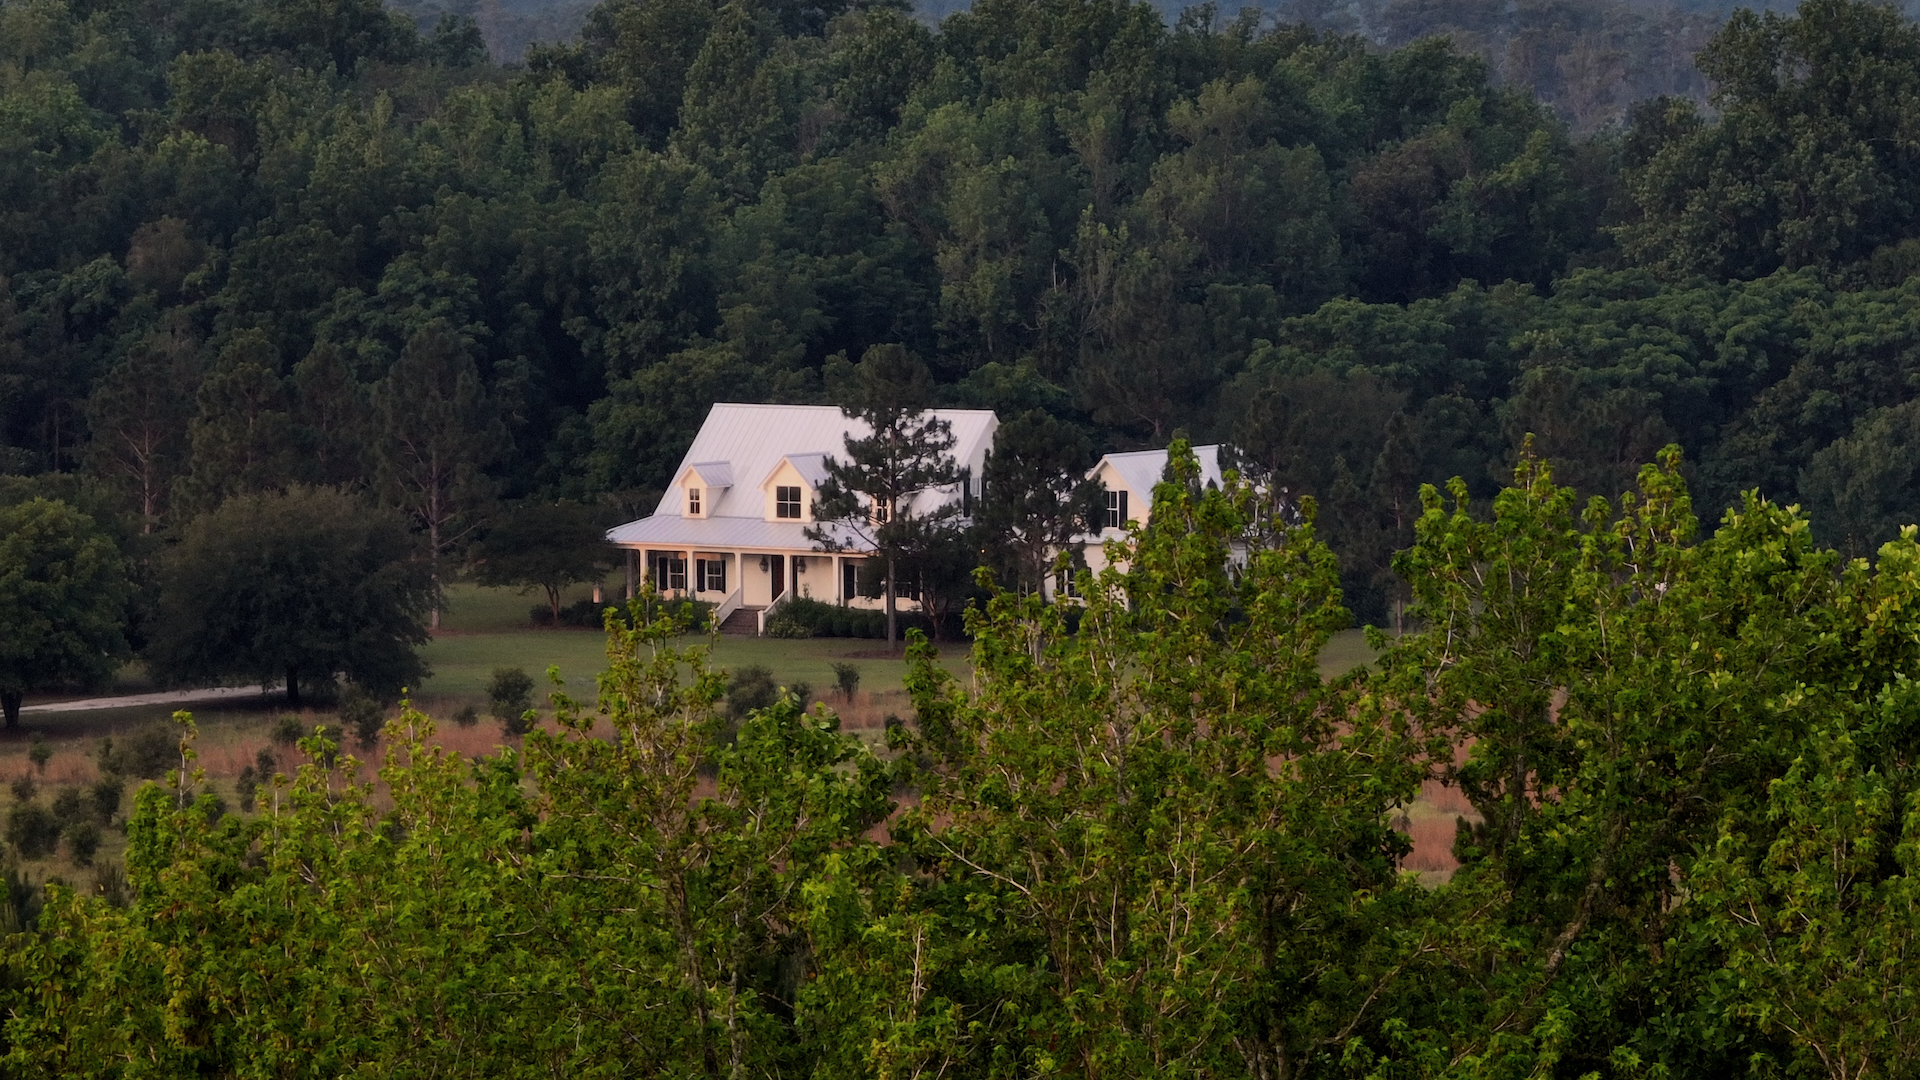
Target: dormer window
(786,502)
(881,512)
(1116,509)
(693,502)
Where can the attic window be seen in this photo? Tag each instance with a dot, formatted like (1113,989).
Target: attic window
(786,502)
(693,501)
(1116,510)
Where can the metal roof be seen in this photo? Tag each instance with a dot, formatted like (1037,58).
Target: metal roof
(1142,469)
(671,531)
(751,440)
(717,474)
(811,467)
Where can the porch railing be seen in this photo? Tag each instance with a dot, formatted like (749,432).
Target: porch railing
(767,612)
(727,607)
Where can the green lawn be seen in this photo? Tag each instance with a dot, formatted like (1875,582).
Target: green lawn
(488,628)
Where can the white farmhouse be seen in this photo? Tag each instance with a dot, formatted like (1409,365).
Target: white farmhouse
(731,528)
(1128,480)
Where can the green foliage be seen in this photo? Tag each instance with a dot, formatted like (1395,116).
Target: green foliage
(1801,167)
(867,500)
(63,601)
(1144,837)
(362,714)
(806,617)
(83,840)
(32,830)
(330,585)
(846,679)
(544,546)
(105,795)
(750,688)
(509,698)
(39,752)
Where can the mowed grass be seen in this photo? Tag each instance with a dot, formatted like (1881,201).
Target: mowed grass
(485,629)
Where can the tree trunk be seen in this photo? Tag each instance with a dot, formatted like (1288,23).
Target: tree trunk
(433,553)
(891,635)
(553,602)
(10,702)
(293,686)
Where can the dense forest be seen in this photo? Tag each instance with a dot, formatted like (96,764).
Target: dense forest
(246,243)
(1606,399)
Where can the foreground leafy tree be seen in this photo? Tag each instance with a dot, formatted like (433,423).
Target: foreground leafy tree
(1628,699)
(63,601)
(1157,846)
(299,586)
(575,909)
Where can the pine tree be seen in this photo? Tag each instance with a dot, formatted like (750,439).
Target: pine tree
(872,494)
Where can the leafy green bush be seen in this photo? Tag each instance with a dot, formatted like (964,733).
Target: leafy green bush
(288,730)
(105,796)
(70,805)
(32,830)
(752,687)
(363,716)
(83,840)
(846,679)
(509,696)
(784,625)
(146,754)
(803,617)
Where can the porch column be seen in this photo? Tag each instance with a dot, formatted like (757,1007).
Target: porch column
(693,587)
(633,583)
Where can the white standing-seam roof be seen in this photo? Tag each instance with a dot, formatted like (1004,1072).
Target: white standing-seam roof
(1142,469)
(751,441)
(717,474)
(811,467)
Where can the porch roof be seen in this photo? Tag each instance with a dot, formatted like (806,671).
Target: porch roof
(722,533)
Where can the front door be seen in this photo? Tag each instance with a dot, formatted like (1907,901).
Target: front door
(777,566)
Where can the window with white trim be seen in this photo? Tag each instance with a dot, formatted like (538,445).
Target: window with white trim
(786,502)
(712,575)
(670,574)
(693,502)
(1116,509)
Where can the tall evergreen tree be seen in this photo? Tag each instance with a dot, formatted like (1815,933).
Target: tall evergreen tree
(1035,496)
(883,492)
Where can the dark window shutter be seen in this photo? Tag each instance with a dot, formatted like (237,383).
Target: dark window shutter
(1124,518)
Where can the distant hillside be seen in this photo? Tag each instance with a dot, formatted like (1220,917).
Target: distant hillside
(509,26)
(1589,59)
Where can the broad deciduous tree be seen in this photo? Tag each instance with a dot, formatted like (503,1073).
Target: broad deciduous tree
(296,586)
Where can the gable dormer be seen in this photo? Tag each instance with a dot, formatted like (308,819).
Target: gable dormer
(790,488)
(703,485)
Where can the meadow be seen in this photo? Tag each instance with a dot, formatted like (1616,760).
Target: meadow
(482,629)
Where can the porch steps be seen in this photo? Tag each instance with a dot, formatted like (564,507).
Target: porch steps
(745,621)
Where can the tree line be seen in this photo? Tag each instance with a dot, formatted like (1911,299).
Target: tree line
(1146,837)
(252,244)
